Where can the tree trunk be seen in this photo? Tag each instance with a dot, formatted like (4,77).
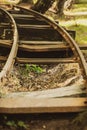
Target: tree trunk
(43,5)
(60,5)
(68,4)
(28,1)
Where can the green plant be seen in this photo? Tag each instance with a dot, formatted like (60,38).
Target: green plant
(22,124)
(30,68)
(11,123)
(33,68)
(5,117)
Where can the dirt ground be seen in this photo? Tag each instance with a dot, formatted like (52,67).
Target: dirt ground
(61,121)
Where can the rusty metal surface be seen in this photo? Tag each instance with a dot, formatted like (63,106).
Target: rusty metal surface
(10,60)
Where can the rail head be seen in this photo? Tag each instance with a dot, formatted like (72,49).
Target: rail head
(10,60)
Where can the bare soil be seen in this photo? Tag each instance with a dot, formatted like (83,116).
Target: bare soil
(45,121)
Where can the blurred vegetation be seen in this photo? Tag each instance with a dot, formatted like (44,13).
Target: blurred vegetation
(80,1)
(79,7)
(76,19)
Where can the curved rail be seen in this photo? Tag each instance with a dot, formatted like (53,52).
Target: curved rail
(10,60)
(32,105)
(74,47)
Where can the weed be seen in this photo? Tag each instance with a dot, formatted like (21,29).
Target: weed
(11,123)
(30,68)
(33,68)
(22,124)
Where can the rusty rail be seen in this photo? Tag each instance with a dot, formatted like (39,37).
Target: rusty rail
(10,60)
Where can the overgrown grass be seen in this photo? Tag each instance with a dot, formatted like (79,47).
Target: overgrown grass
(81,33)
(79,8)
(77,23)
(80,26)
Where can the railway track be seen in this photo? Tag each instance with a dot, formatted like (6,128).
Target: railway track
(38,40)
